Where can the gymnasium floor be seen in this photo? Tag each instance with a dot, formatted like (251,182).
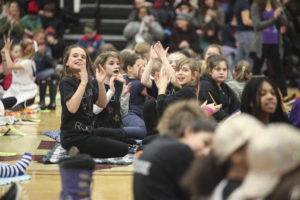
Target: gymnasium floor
(110,183)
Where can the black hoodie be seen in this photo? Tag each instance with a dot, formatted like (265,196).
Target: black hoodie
(223,95)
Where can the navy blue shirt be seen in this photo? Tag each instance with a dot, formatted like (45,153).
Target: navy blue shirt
(137,100)
(240,6)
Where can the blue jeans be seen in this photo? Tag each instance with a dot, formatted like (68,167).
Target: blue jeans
(244,39)
(46,73)
(134,126)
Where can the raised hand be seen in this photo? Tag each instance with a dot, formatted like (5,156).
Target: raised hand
(112,83)
(126,88)
(183,44)
(153,54)
(215,108)
(84,77)
(160,51)
(277,12)
(120,78)
(3,53)
(100,74)
(164,79)
(7,45)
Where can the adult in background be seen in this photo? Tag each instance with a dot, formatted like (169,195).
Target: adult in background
(12,25)
(183,35)
(269,25)
(144,29)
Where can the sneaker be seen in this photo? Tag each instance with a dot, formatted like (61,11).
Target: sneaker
(13,193)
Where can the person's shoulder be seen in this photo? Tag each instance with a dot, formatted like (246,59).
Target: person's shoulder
(205,80)
(163,144)
(83,38)
(67,79)
(26,62)
(98,37)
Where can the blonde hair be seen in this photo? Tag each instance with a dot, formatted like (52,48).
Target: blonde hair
(38,31)
(202,67)
(142,48)
(242,70)
(102,58)
(217,46)
(179,115)
(177,53)
(156,67)
(28,48)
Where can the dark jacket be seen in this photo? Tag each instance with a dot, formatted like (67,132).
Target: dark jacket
(158,171)
(178,36)
(223,95)
(184,93)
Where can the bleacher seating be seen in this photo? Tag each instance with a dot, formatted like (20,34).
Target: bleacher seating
(112,15)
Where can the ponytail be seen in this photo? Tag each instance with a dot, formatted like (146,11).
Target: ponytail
(242,71)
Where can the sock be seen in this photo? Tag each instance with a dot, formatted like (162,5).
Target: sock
(18,169)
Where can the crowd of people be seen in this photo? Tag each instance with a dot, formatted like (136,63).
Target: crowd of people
(189,84)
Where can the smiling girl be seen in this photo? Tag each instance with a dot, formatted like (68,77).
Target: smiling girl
(214,90)
(78,94)
(261,99)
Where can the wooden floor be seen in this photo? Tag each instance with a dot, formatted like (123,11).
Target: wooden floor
(112,183)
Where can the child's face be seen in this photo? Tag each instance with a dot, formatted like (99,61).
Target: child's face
(91,35)
(182,23)
(268,100)
(112,66)
(40,38)
(211,51)
(76,59)
(48,14)
(173,58)
(209,3)
(16,52)
(219,72)
(142,13)
(184,75)
(137,69)
(200,143)
(14,9)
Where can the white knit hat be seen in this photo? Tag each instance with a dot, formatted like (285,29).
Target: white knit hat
(270,156)
(232,134)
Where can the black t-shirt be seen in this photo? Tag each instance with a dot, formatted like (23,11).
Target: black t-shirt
(239,7)
(171,89)
(110,117)
(184,93)
(158,170)
(76,126)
